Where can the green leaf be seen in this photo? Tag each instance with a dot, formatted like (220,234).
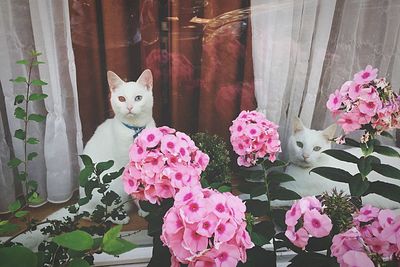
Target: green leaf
(21,213)
(112,234)
(13,163)
(387,190)
(36,117)
(78,263)
(367,148)
(32,155)
(341,155)
(103,166)
(364,166)
(35,199)
(313,259)
(38,82)
(35,53)
(118,246)
(247,187)
(252,175)
(20,134)
(387,170)
(279,177)
(351,142)
(224,188)
(19,99)
(19,79)
(22,176)
(387,135)
(35,63)
(387,151)
(77,240)
(258,239)
(109,198)
(33,185)
(358,186)
(7,228)
(90,186)
(319,244)
(35,97)
(265,229)
(258,191)
(82,201)
(203,181)
(20,113)
(13,207)
(258,256)
(282,193)
(22,62)
(277,163)
(256,207)
(85,174)
(87,161)
(32,141)
(17,256)
(333,174)
(107,178)
(97,242)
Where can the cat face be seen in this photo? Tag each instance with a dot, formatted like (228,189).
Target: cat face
(131,100)
(306,145)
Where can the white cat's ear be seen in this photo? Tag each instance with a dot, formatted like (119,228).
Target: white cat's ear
(146,79)
(329,132)
(297,125)
(113,80)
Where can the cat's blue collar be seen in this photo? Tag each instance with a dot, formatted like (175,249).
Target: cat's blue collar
(136,130)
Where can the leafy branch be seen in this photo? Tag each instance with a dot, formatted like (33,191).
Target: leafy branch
(359,184)
(17,208)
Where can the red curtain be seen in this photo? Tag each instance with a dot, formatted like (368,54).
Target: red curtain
(202,74)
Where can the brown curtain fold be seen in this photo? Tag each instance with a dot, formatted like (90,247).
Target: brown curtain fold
(227,82)
(90,66)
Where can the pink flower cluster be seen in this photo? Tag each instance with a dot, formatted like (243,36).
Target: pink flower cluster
(206,228)
(366,103)
(162,161)
(376,232)
(306,216)
(253,137)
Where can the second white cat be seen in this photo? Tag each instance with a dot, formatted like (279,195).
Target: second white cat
(305,149)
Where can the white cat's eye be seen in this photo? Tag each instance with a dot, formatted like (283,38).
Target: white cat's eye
(121,98)
(138,98)
(299,144)
(317,148)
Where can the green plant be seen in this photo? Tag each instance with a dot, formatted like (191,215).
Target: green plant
(218,171)
(340,209)
(263,220)
(21,112)
(358,183)
(66,242)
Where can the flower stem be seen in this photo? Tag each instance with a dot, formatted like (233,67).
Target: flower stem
(28,87)
(269,209)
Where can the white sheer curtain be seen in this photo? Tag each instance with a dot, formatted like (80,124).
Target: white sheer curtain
(42,25)
(303,50)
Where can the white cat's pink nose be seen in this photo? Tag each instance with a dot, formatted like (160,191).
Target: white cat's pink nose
(306,156)
(130,108)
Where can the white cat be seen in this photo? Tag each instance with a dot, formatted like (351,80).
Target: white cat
(305,148)
(132,103)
